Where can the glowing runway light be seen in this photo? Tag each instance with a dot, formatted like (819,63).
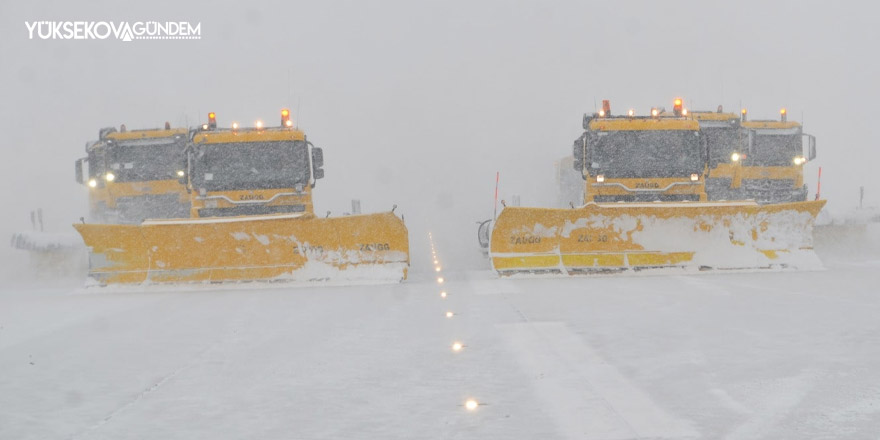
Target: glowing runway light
(439,280)
(437,268)
(471,404)
(449,314)
(457,346)
(443,294)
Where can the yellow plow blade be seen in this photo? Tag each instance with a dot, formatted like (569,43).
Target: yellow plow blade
(296,247)
(636,236)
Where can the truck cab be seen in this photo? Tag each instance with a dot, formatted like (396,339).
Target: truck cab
(772,165)
(641,159)
(133,175)
(256,170)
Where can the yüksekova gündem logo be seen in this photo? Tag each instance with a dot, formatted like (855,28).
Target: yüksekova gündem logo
(108,30)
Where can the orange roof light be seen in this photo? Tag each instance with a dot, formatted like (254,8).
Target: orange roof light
(743,112)
(676,107)
(285,118)
(783,115)
(606,108)
(212,120)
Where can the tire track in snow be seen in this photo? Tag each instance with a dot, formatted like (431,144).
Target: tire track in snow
(131,403)
(778,400)
(588,398)
(232,336)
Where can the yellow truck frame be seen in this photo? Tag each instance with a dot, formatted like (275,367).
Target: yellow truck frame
(134,175)
(739,166)
(780,178)
(646,209)
(252,219)
(657,182)
(212,199)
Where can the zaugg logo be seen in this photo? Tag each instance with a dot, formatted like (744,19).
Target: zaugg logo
(650,185)
(123,30)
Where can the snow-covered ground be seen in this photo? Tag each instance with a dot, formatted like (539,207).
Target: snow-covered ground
(761,355)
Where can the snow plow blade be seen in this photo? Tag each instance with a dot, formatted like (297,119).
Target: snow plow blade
(357,249)
(612,237)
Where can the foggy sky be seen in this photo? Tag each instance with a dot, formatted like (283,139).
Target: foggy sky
(420,103)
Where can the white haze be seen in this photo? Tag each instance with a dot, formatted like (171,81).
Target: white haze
(420,103)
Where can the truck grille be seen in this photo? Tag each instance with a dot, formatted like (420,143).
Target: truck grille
(250,210)
(139,208)
(648,198)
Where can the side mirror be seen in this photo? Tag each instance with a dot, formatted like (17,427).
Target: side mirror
(317,163)
(79,170)
(317,157)
(811,153)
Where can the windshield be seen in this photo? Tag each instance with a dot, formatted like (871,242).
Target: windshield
(251,165)
(722,143)
(775,147)
(146,159)
(644,154)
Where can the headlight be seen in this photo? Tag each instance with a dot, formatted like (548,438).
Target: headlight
(600,178)
(695,177)
(110,177)
(93,183)
(180,173)
(799,160)
(734,157)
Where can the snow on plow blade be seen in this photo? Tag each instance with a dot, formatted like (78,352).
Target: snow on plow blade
(296,247)
(635,236)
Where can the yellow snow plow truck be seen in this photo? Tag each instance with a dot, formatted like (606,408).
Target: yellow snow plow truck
(252,219)
(646,208)
(772,166)
(758,160)
(133,175)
